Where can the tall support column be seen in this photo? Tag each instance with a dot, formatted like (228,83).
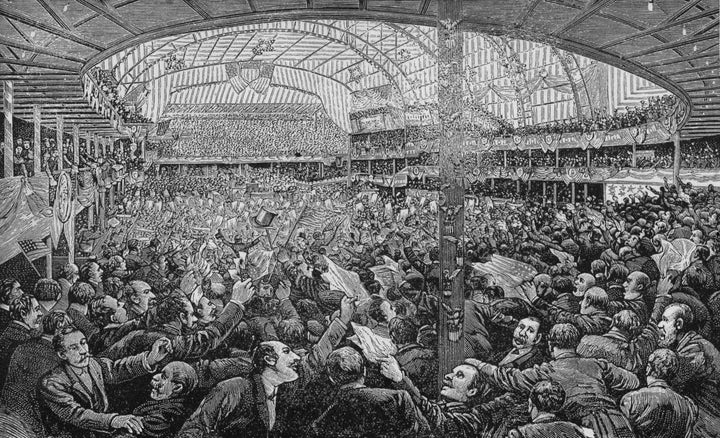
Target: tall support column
(634,155)
(572,192)
(676,158)
(8,153)
(451,219)
(37,150)
(59,127)
(76,145)
(142,148)
(544,188)
(88,144)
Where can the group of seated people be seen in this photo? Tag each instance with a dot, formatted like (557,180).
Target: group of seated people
(239,138)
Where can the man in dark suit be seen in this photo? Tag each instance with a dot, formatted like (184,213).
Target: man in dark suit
(26,315)
(169,404)
(458,413)
(30,361)
(359,411)
(698,376)
(626,345)
(587,383)
(68,276)
(546,399)
(80,296)
(9,290)
(73,395)
(418,361)
(257,406)
(658,411)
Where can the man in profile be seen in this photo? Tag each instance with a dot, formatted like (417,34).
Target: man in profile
(359,411)
(74,395)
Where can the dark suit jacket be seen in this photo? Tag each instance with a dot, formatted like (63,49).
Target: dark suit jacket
(28,364)
(451,419)
(71,409)
(421,365)
(371,412)
(15,334)
(658,411)
(238,406)
(82,323)
(4,319)
(161,418)
(62,304)
(615,347)
(548,426)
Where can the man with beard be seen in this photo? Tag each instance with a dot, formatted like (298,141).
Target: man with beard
(26,315)
(457,414)
(170,404)
(698,375)
(257,405)
(139,300)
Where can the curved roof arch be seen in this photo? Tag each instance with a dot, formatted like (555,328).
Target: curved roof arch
(62,41)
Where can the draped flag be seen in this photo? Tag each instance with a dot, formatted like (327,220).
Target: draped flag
(344,280)
(508,273)
(34,249)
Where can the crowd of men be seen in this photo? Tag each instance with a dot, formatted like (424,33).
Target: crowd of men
(314,312)
(236,138)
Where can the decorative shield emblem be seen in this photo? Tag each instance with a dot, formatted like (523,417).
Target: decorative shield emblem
(517,139)
(63,198)
(598,139)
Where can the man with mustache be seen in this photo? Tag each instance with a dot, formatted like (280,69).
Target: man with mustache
(169,404)
(73,394)
(255,406)
(457,413)
(698,375)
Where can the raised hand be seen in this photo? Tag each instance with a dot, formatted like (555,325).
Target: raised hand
(283,290)
(664,286)
(243,291)
(347,308)
(160,349)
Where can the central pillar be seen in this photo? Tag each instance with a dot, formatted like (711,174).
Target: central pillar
(676,158)
(451,343)
(8,152)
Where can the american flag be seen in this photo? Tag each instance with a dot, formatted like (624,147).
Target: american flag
(508,273)
(34,249)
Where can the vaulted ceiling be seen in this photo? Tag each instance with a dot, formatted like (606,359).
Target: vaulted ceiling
(46,45)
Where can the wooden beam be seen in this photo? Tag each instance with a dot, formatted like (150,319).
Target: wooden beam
(37,49)
(59,19)
(692,70)
(680,59)
(529,8)
(670,45)
(197,7)
(659,28)
(423,6)
(584,15)
(109,12)
(72,36)
(27,63)
(677,14)
(251,5)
